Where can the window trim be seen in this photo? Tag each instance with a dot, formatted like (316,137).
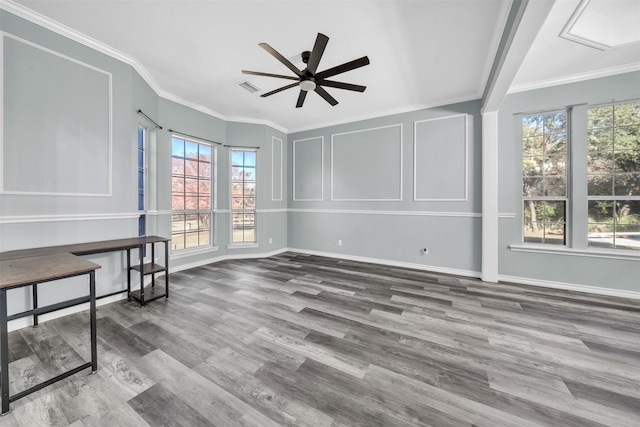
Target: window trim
(613,197)
(211,246)
(243,244)
(577,191)
(622,254)
(143,213)
(567,198)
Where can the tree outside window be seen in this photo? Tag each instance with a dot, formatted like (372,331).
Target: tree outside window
(544,172)
(191,193)
(243,195)
(613,173)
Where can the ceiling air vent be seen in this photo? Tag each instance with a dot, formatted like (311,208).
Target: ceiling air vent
(248,86)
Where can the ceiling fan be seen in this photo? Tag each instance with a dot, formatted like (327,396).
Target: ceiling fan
(308,79)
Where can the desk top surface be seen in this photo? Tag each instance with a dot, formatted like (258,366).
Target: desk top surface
(84,248)
(36,269)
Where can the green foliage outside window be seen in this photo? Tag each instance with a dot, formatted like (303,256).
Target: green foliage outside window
(544,172)
(613,174)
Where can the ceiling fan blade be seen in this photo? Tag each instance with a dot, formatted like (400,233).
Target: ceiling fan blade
(281,58)
(347,66)
(258,73)
(323,93)
(340,85)
(316,53)
(264,95)
(301,97)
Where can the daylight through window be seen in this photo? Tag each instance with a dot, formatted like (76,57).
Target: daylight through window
(544,173)
(243,195)
(613,173)
(191,193)
(142,165)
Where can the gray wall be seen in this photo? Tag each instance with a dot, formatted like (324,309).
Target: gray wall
(386,188)
(87,148)
(387,192)
(54,123)
(581,266)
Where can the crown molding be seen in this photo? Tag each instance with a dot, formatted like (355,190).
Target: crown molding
(387,113)
(606,72)
(48,23)
(65,31)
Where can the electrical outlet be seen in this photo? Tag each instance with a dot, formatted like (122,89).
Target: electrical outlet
(425,251)
(270,240)
(339,242)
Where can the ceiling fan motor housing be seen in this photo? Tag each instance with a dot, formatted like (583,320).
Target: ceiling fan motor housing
(308,85)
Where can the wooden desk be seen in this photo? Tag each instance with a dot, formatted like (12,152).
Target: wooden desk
(20,272)
(112,246)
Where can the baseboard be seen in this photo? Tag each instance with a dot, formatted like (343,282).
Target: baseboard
(28,321)
(433,268)
(571,287)
(224,258)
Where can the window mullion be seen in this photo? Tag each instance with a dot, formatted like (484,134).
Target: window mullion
(577,211)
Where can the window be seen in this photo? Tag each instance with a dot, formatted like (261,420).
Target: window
(613,174)
(544,177)
(243,195)
(191,193)
(142,142)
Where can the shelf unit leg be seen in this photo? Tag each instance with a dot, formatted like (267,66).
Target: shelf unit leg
(129,274)
(166,269)
(4,351)
(153,259)
(34,291)
(141,251)
(92,311)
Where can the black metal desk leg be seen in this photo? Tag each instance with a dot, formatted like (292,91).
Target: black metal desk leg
(166,266)
(141,250)
(4,351)
(92,312)
(129,274)
(153,259)
(34,289)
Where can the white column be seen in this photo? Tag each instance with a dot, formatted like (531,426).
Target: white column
(490,196)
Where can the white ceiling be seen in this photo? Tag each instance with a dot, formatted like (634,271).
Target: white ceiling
(423,53)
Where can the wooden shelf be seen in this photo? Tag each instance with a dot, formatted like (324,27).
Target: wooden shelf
(149,268)
(150,293)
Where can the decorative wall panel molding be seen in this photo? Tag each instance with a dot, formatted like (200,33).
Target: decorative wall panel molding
(57,137)
(308,169)
(17,219)
(276,169)
(395,213)
(441,159)
(366,165)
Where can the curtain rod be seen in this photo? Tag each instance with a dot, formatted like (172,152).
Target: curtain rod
(193,136)
(240,146)
(150,119)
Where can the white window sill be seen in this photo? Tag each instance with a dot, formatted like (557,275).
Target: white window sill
(183,253)
(590,253)
(242,245)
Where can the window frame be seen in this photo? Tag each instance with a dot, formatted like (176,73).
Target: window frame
(142,146)
(243,211)
(577,221)
(566,199)
(613,198)
(197,211)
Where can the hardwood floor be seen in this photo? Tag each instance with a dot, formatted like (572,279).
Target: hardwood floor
(302,340)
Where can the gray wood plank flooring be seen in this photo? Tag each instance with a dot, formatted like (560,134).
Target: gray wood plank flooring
(300,340)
